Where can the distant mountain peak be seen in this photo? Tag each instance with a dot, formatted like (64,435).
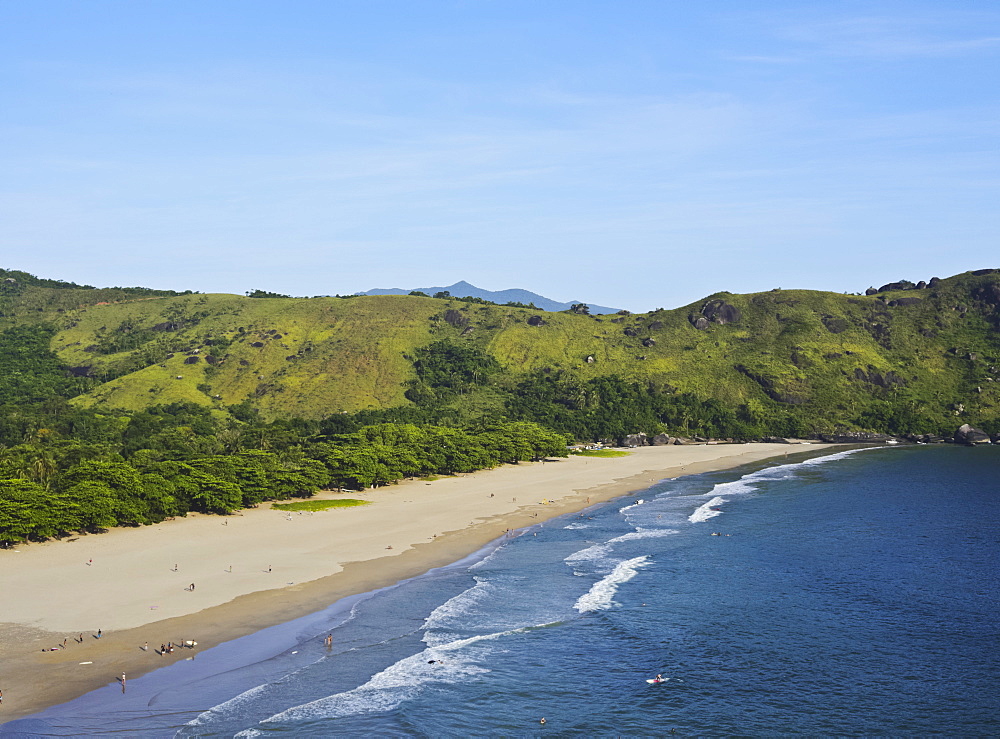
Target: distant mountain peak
(463,289)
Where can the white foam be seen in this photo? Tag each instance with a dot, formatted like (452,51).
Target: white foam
(641,533)
(594,553)
(398,682)
(749,483)
(601,595)
(217,712)
(630,507)
(705,512)
(488,558)
(577,526)
(453,611)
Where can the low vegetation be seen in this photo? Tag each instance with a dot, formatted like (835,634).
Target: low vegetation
(319,505)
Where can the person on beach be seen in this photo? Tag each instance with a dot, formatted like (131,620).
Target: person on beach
(99,634)
(191,587)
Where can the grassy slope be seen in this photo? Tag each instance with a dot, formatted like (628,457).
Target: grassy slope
(347,354)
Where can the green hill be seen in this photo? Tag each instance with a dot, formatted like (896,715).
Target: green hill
(906,359)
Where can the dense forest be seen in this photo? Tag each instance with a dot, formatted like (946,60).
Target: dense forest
(126,406)
(65,469)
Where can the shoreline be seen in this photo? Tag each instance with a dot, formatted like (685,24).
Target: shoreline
(63,587)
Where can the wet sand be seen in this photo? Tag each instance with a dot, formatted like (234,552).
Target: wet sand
(263,566)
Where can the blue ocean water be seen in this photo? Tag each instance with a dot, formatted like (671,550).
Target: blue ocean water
(848,594)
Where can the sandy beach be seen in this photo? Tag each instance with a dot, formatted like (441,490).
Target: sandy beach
(264,566)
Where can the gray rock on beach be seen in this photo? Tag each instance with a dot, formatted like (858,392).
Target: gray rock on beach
(971,436)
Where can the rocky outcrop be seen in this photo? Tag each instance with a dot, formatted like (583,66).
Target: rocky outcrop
(886,380)
(699,322)
(989,294)
(167,326)
(770,388)
(455,318)
(966,434)
(834,324)
(536,321)
(661,440)
(901,285)
(855,437)
(721,312)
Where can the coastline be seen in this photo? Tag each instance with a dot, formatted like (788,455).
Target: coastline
(283,567)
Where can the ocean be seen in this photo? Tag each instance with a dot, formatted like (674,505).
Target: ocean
(853,593)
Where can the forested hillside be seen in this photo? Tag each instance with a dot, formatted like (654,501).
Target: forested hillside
(126,405)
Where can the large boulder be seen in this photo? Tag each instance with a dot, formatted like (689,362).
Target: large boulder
(661,440)
(634,440)
(901,285)
(721,312)
(966,434)
(699,322)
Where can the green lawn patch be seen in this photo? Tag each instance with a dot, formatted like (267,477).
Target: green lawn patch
(319,505)
(599,453)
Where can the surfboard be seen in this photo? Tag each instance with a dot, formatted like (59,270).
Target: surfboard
(654,681)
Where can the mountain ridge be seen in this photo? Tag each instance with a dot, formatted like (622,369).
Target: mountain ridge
(463,289)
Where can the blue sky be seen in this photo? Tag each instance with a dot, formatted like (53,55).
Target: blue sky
(634,154)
